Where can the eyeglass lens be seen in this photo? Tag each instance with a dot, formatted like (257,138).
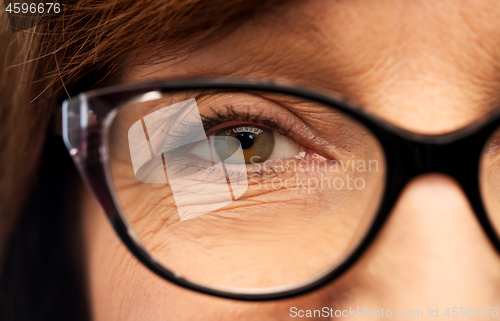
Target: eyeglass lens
(245,189)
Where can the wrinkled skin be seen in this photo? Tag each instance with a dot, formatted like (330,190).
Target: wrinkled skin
(429,66)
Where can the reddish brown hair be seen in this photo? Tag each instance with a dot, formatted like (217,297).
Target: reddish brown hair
(41,65)
(78,50)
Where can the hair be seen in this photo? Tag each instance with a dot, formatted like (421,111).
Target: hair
(42,273)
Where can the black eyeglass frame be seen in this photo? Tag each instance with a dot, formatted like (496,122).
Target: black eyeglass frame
(407,155)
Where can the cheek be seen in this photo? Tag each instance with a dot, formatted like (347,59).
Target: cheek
(273,235)
(121,288)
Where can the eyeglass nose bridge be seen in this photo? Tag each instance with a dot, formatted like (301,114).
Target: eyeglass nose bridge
(449,159)
(407,158)
(460,159)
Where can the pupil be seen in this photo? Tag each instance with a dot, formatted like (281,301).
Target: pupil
(246,140)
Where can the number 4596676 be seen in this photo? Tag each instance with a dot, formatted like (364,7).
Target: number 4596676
(471,312)
(49,7)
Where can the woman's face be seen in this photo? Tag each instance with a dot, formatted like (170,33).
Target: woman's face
(427,66)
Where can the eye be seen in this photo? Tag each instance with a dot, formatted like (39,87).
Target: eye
(258,144)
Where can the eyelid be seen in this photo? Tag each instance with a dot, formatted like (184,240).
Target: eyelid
(261,111)
(294,118)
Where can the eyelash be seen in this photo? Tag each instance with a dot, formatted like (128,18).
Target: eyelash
(219,118)
(230,114)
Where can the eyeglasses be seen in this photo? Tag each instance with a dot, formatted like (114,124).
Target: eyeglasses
(252,190)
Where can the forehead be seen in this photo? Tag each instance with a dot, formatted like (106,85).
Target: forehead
(396,57)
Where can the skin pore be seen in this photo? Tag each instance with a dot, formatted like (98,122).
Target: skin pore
(426,66)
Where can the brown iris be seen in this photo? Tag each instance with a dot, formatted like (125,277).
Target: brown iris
(256,142)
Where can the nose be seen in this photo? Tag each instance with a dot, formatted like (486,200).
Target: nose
(431,253)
